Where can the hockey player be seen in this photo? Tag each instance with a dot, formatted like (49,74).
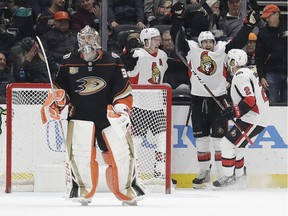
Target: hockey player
(249,106)
(147,65)
(96,86)
(207,59)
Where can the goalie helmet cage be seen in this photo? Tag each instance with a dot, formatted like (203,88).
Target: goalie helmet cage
(30,143)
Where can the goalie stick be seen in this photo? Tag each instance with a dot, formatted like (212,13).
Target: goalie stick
(68,166)
(180,55)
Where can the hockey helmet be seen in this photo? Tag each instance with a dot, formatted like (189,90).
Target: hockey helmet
(205,35)
(147,34)
(239,56)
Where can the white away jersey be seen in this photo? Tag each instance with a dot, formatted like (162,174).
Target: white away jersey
(209,65)
(149,69)
(246,83)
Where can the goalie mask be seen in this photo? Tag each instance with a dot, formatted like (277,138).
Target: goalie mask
(236,58)
(88,42)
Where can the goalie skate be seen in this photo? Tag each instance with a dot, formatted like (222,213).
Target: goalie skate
(83,201)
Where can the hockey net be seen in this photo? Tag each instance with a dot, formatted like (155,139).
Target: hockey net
(30,143)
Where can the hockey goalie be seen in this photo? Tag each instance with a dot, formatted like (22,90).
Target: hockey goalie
(94,84)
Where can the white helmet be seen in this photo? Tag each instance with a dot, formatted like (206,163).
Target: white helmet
(88,40)
(205,35)
(239,56)
(147,34)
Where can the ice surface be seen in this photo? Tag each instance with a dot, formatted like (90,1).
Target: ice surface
(248,202)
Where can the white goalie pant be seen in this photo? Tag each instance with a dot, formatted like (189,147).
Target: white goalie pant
(81,165)
(121,175)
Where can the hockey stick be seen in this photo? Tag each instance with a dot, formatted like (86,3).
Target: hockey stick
(47,65)
(67,159)
(180,55)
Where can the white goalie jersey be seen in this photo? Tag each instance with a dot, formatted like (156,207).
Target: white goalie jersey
(245,83)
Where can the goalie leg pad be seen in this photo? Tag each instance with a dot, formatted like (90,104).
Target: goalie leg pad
(81,164)
(121,172)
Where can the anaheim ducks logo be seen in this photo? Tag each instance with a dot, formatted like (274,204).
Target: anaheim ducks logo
(90,85)
(207,64)
(156,75)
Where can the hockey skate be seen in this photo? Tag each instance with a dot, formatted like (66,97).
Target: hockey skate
(224,183)
(202,179)
(241,181)
(138,189)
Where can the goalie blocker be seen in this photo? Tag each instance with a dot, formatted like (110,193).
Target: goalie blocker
(82,167)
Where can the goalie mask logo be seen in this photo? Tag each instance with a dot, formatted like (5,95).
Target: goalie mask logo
(207,64)
(90,85)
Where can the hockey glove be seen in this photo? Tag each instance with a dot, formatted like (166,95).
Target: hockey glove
(231,112)
(252,19)
(119,118)
(53,105)
(178,10)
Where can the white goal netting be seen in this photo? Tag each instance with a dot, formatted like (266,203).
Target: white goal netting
(31,144)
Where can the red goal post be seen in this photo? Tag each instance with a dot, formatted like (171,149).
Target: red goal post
(29,143)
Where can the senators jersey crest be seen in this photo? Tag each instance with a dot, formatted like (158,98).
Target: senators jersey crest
(156,74)
(207,65)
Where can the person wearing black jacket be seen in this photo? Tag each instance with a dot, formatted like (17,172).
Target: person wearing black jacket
(271,54)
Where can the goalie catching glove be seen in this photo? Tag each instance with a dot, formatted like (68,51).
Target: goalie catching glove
(53,105)
(119,118)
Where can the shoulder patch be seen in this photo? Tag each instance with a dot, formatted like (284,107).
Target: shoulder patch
(114,55)
(67,56)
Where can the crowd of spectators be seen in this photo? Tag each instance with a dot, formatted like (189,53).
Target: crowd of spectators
(57,23)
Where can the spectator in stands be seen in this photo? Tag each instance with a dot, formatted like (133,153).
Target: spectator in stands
(167,43)
(271,54)
(33,63)
(129,12)
(87,14)
(203,18)
(38,6)
(176,73)
(45,20)
(157,12)
(21,23)
(5,77)
(250,50)
(60,40)
(233,21)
